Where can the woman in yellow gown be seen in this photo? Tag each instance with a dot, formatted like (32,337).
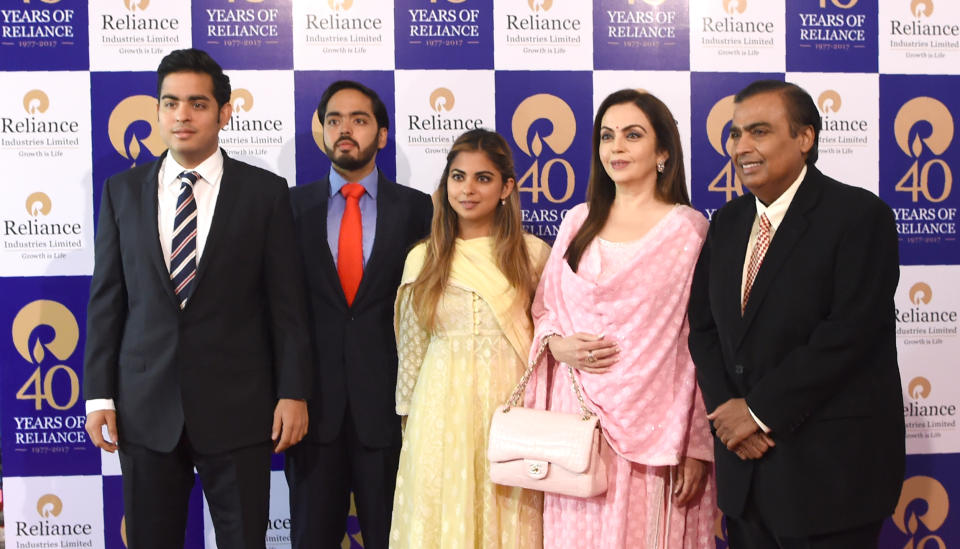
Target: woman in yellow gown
(463,332)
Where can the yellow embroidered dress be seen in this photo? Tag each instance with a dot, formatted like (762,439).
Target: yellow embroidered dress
(448,384)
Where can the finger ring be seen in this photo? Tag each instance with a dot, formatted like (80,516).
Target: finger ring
(590,358)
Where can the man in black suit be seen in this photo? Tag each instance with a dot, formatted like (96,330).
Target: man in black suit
(354,439)
(197,351)
(792,330)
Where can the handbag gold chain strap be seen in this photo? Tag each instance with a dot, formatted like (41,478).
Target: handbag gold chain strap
(521,387)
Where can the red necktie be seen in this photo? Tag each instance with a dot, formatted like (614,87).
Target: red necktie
(756,258)
(350,244)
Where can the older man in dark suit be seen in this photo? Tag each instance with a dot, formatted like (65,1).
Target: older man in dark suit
(197,351)
(792,330)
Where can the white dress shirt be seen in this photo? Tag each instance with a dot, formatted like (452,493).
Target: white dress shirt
(775,211)
(205,192)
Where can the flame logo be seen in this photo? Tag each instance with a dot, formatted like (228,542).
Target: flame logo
(920,293)
(924,109)
(921,7)
(929,491)
(340,5)
(829,101)
(38,203)
(36,102)
(242,100)
(135,108)
(44,312)
(549,107)
(442,100)
(134,5)
(734,6)
(918,388)
(540,5)
(123,530)
(720,115)
(49,505)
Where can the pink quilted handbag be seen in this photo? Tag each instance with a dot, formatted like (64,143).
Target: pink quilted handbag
(544,450)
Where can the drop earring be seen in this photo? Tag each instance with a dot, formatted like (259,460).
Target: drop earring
(660,166)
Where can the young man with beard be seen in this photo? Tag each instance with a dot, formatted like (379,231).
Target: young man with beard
(355,228)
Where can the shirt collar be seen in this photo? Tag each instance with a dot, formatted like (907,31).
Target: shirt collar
(210,170)
(369,182)
(778,208)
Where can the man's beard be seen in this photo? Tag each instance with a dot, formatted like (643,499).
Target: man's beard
(349,163)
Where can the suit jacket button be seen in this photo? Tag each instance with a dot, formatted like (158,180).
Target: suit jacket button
(738,369)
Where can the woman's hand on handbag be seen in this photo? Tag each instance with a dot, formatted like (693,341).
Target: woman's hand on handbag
(689,478)
(587,352)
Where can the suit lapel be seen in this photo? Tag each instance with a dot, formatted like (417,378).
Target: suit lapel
(791,229)
(149,207)
(318,256)
(387,213)
(226,201)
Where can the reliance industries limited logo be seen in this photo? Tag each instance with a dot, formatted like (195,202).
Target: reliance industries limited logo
(839,135)
(540,5)
(931,496)
(340,5)
(726,181)
(734,6)
(536,180)
(35,102)
(134,5)
(51,532)
(921,8)
(435,130)
(932,112)
(38,128)
(920,293)
(125,128)
(49,506)
(442,100)
(919,388)
(925,417)
(923,322)
(829,101)
(242,100)
(38,203)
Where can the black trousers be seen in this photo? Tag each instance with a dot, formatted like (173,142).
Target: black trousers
(751,532)
(156,491)
(321,477)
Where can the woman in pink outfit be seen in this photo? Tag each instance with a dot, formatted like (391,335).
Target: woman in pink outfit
(612,302)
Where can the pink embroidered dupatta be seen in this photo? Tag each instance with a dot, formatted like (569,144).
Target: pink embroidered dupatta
(649,403)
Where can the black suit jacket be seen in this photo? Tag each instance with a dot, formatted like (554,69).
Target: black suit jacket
(354,346)
(814,354)
(218,366)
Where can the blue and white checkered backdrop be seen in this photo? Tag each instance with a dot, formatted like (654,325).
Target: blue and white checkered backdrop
(77,104)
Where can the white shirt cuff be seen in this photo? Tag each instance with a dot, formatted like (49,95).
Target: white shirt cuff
(98,404)
(760,424)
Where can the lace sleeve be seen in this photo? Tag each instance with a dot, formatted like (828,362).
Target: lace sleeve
(412,342)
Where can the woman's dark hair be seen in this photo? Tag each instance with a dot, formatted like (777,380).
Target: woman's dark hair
(671,184)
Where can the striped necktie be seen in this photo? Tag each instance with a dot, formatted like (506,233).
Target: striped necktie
(756,258)
(183,250)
